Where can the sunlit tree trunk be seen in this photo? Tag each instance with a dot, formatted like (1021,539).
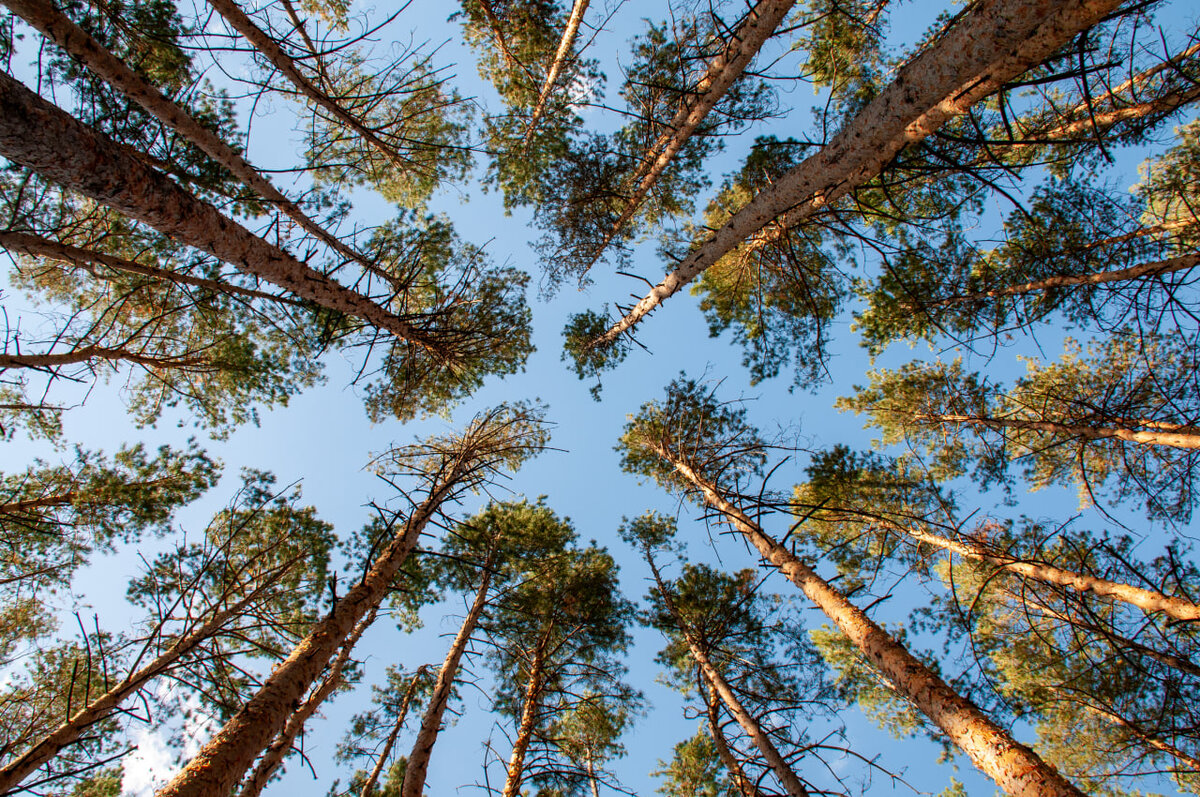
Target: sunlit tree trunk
(1015,768)
(725,68)
(525,728)
(35,134)
(995,41)
(278,749)
(401,715)
(1179,439)
(736,773)
(60,29)
(556,66)
(418,759)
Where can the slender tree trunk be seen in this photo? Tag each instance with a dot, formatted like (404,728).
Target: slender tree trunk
(995,41)
(37,246)
(525,728)
(736,774)
(723,70)
(1154,269)
(1114,94)
(1160,438)
(397,726)
(1150,740)
(271,50)
(1015,768)
(104,706)
(77,42)
(86,354)
(221,763)
(591,773)
(498,35)
(1104,120)
(282,745)
(431,723)
(556,66)
(713,677)
(35,134)
(1145,599)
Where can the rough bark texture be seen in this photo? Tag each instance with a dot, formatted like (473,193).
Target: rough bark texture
(71,730)
(35,134)
(37,246)
(431,723)
(713,677)
(529,712)
(725,68)
(282,745)
(66,34)
(556,66)
(1154,269)
(995,41)
(221,763)
(743,784)
(271,50)
(1014,767)
(1160,438)
(1145,599)
(397,726)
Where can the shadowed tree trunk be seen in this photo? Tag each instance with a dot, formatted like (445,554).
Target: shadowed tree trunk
(35,134)
(397,726)
(556,66)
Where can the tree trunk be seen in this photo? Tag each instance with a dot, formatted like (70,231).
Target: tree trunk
(1154,269)
(37,246)
(556,66)
(397,726)
(282,745)
(418,759)
(743,784)
(712,676)
(529,712)
(271,50)
(1015,768)
(725,68)
(1142,734)
(221,763)
(78,43)
(1159,438)
(995,41)
(86,354)
(35,134)
(104,706)
(1147,600)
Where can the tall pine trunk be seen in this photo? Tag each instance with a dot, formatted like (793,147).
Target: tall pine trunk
(713,677)
(1171,439)
(60,29)
(736,774)
(221,763)
(1014,767)
(994,42)
(418,759)
(39,136)
(526,725)
(561,56)
(723,70)
(394,733)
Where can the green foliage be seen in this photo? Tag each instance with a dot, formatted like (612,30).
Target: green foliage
(696,770)
(585,359)
(713,437)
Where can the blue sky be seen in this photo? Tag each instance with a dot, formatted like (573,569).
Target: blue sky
(323,440)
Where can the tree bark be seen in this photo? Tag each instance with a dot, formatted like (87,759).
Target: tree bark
(1015,768)
(88,353)
(271,50)
(529,712)
(736,774)
(221,763)
(1160,438)
(282,745)
(725,68)
(1147,600)
(556,66)
(397,726)
(78,43)
(1154,269)
(37,246)
(995,41)
(70,731)
(418,760)
(713,677)
(35,134)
